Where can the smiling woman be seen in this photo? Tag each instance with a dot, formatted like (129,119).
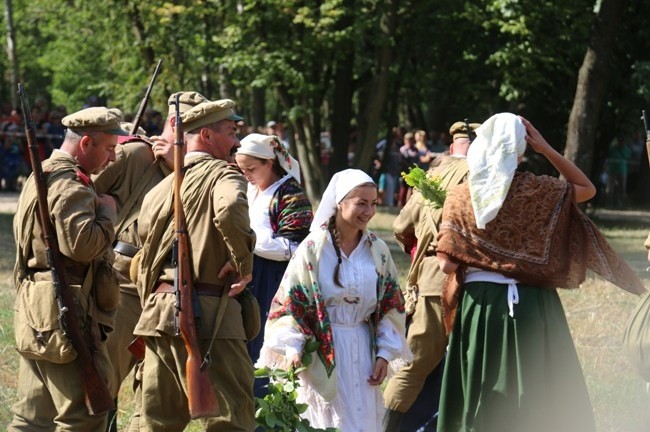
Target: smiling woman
(341,290)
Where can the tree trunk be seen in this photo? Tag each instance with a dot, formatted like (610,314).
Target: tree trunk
(592,81)
(306,153)
(342,100)
(379,90)
(11,52)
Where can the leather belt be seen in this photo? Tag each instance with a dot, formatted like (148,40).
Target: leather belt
(202,289)
(125,249)
(78,271)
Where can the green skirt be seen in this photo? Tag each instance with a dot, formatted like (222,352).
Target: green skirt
(517,373)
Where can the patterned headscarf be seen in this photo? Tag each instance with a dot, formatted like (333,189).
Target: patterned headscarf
(492,159)
(270,147)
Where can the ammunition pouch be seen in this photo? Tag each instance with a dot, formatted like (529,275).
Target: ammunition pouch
(38,332)
(250,313)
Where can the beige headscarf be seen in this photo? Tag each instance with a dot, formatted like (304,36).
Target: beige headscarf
(270,147)
(492,160)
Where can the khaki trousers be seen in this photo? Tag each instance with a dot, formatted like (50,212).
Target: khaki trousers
(428,342)
(164,388)
(128,314)
(50,397)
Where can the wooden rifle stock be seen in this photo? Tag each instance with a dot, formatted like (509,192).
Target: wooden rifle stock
(201,399)
(97,397)
(145,100)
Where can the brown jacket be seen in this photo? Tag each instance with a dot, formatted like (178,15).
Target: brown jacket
(216,210)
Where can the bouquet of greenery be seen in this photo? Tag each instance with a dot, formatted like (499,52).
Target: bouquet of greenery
(278,410)
(429,187)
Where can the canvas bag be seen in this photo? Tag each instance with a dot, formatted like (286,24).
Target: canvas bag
(636,339)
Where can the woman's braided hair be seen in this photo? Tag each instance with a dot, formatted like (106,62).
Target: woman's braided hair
(336,238)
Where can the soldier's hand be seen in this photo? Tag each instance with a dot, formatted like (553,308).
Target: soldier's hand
(239,282)
(107,201)
(163,150)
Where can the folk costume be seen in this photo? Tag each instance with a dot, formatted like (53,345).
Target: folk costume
(511,362)
(353,323)
(280,216)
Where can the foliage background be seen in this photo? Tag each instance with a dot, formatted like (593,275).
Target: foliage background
(354,68)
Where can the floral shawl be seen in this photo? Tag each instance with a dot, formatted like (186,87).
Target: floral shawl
(299,303)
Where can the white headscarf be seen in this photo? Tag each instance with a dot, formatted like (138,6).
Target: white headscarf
(270,147)
(339,186)
(492,160)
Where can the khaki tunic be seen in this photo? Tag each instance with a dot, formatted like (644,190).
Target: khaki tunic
(51,394)
(216,210)
(418,224)
(135,170)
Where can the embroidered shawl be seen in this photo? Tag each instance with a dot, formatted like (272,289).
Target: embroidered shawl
(299,303)
(539,237)
(290,211)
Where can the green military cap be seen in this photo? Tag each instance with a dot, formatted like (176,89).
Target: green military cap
(127,126)
(186,100)
(95,119)
(459,129)
(208,113)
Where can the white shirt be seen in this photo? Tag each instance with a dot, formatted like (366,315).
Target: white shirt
(267,246)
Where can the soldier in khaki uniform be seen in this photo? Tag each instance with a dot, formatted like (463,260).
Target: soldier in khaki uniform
(216,210)
(417,227)
(139,165)
(50,394)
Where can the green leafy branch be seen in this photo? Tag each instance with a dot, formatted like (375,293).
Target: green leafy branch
(429,187)
(278,410)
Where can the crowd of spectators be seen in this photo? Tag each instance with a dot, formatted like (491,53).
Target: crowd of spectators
(398,154)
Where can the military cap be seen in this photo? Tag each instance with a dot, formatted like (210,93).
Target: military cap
(209,112)
(186,100)
(95,119)
(459,129)
(127,126)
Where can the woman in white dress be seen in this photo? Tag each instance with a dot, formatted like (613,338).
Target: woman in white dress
(341,289)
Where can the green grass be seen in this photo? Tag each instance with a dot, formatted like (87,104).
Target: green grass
(597,314)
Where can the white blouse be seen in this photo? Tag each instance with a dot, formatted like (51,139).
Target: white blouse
(267,246)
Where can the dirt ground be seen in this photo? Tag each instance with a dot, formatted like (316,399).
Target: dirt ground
(8,202)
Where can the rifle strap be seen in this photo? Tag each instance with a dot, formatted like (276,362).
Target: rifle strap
(221,311)
(126,217)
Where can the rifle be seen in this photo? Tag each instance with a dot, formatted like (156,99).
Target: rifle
(470,133)
(97,397)
(143,105)
(646,125)
(201,398)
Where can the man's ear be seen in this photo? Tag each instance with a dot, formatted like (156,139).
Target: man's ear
(205,133)
(86,141)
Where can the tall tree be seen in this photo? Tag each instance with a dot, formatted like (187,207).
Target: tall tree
(592,80)
(11,51)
